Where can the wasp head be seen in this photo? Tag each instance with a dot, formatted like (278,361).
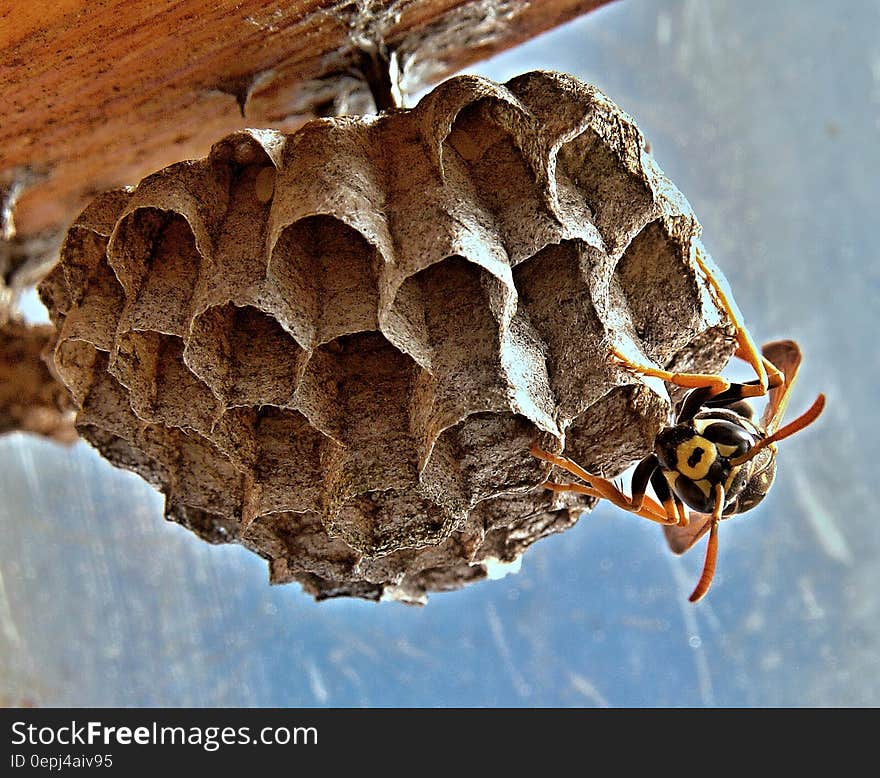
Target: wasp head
(698,454)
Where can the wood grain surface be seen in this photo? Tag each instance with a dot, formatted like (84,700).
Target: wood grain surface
(99,93)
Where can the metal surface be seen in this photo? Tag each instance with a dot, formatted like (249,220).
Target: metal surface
(769,122)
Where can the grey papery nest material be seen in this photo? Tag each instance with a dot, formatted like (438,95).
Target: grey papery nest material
(335,347)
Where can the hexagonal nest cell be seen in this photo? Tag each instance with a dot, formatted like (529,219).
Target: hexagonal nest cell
(335,347)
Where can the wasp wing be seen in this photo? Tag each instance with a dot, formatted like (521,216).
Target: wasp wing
(680,539)
(785,355)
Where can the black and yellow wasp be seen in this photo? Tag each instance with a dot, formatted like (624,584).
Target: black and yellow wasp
(714,458)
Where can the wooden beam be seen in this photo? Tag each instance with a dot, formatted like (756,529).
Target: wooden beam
(99,93)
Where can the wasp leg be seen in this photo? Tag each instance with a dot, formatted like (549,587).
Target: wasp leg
(566,464)
(664,494)
(570,487)
(769,376)
(641,477)
(749,389)
(711,550)
(597,486)
(648,471)
(715,383)
(710,386)
(772,378)
(683,519)
(706,397)
(694,401)
(648,510)
(746,349)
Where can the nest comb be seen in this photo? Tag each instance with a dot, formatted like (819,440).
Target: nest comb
(335,347)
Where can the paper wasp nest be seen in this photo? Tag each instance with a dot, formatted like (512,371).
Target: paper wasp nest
(335,347)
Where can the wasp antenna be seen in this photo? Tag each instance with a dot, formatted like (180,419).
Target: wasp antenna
(804,420)
(708,566)
(711,550)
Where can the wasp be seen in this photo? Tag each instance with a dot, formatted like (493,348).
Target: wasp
(713,457)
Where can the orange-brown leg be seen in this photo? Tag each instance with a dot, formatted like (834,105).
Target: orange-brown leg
(671,511)
(598,486)
(681,512)
(746,349)
(661,487)
(774,377)
(711,550)
(647,510)
(560,461)
(717,383)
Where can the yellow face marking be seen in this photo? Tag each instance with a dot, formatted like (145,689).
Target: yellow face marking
(725,451)
(704,486)
(729,482)
(693,463)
